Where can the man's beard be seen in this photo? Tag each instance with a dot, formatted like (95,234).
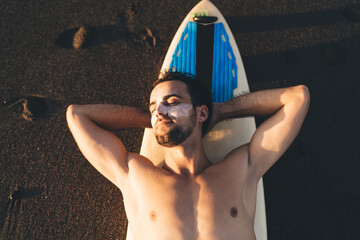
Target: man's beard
(178,134)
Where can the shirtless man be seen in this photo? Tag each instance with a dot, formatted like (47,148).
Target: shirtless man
(189,198)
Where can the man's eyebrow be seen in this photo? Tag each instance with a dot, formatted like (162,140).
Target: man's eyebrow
(165,98)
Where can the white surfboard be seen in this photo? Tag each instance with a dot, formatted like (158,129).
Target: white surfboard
(205,45)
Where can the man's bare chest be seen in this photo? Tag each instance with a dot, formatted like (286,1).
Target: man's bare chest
(208,201)
(190,194)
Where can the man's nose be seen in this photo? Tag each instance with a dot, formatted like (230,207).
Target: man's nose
(160,110)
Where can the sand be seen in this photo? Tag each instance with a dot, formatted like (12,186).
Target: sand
(49,190)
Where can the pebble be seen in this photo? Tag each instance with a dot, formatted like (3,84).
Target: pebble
(80,37)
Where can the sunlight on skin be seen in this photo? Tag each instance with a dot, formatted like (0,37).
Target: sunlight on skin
(217,135)
(269,141)
(270,144)
(273,142)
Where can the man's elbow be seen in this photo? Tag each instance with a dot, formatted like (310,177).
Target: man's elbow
(71,112)
(302,94)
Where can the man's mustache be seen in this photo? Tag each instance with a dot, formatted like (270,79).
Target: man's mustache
(163,118)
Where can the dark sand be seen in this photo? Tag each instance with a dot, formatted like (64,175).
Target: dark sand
(49,191)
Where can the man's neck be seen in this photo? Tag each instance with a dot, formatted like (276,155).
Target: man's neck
(187,159)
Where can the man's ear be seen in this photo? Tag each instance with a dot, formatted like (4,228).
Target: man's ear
(203,113)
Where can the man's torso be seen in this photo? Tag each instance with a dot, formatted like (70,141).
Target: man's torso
(217,204)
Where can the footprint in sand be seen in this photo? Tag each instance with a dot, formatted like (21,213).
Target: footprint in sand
(89,36)
(144,35)
(33,107)
(19,193)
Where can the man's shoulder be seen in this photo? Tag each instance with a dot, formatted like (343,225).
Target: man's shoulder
(238,156)
(137,161)
(235,163)
(140,165)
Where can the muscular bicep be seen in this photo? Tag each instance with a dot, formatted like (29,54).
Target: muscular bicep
(101,148)
(274,136)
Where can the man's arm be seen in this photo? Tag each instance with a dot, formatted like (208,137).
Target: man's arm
(90,125)
(287,108)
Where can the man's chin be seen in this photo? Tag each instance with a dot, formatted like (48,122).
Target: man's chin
(173,138)
(167,144)
(164,140)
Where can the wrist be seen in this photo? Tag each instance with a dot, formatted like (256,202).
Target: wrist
(225,111)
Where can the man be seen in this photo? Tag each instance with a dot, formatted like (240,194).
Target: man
(189,198)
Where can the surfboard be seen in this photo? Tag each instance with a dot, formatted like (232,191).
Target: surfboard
(205,46)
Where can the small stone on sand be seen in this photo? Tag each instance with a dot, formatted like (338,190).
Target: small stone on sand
(80,37)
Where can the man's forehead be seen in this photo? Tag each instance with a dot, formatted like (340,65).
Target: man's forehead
(169,87)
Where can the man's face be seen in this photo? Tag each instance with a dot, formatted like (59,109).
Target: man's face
(172,115)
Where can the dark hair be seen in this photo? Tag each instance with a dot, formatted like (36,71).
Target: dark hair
(199,93)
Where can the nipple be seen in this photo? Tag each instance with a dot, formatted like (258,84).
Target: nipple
(153,216)
(233,211)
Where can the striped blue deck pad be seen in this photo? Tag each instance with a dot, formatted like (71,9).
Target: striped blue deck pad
(224,76)
(184,57)
(224,73)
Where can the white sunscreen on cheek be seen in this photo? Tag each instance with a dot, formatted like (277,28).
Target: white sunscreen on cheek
(179,111)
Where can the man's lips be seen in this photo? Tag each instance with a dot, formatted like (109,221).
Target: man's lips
(163,122)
